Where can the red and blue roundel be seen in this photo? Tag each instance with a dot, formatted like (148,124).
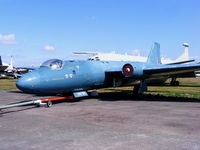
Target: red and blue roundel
(127,70)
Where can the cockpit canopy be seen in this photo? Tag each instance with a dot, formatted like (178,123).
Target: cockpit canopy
(54,64)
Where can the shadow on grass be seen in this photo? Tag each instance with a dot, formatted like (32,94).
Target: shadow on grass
(127,96)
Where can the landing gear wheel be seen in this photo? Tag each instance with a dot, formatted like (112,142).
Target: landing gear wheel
(136,89)
(175,83)
(172,83)
(49,104)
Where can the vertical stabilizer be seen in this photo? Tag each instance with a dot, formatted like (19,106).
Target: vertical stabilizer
(185,55)
(10,67)
(1,61)
(11,62)
(154,56)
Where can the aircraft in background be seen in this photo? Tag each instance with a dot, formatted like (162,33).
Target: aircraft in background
(2,66)
(184,58)
(63,77)
(7,71)
(197,73)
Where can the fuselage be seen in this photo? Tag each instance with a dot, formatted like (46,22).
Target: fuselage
(70,76)
(57,77)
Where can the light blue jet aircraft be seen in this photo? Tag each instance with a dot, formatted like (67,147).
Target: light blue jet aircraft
(76,77)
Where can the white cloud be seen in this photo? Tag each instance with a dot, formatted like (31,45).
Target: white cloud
(48,48)
(7,39)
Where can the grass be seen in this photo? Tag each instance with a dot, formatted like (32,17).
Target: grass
(8,84)
(180,91)
(189,88)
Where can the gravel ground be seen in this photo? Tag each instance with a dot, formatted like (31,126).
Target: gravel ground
(107,122)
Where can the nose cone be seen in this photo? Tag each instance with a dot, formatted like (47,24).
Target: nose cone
(29,82)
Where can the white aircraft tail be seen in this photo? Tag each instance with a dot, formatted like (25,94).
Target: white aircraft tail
(184,56)
(10,67)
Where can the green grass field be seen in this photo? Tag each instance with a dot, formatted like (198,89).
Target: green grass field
(7,84)
(189,88)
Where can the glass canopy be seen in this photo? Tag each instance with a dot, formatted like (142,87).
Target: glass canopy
(54,64)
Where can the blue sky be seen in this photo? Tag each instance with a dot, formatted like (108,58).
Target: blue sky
(36,30)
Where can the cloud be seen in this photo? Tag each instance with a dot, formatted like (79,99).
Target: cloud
(48,48)
(7,39)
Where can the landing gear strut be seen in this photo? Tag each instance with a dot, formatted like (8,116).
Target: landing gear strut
(140,88)
(174,82)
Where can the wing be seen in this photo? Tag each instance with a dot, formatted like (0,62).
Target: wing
(181,62)
(172,70)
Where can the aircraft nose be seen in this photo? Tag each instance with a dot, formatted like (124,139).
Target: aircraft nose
(28,82)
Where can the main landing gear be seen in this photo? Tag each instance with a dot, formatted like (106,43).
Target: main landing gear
(174,82)
(140,88)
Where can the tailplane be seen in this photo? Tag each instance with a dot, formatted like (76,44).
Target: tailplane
(154,56)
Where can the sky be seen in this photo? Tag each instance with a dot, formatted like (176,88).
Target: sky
(33,31)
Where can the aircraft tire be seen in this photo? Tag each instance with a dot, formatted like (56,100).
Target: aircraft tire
(49,104)
(177,83)
(136,89)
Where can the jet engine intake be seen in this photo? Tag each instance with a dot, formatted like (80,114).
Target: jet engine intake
(127,70)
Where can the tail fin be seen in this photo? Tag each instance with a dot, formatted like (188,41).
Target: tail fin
(1,64)
(10,67)
(154,56)
(184,56)
(11,62)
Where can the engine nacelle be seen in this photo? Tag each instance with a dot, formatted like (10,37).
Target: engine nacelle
(127,70)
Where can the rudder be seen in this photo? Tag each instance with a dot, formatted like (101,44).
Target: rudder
(154,56)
